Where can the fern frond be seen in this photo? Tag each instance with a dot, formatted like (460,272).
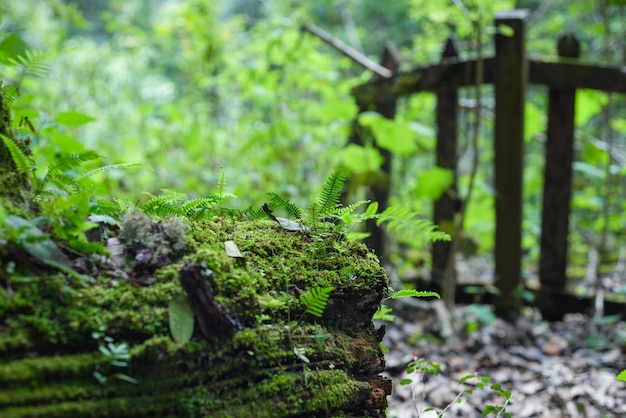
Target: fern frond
(106,207)
(407,293)
(20,159)
(9,94)
(316,299)
(107,168)
(331,190)
(348,210)
(66,162)
(196,207)
(252,213)
(65,182)
(163,206)
(404,221)
(32,63)
(291,208)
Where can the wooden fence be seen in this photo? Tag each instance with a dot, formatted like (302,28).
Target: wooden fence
(510,72)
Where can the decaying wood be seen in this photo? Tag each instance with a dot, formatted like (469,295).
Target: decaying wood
(57,352)
(213,320)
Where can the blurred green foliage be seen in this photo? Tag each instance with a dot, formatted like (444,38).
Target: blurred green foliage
(189,86)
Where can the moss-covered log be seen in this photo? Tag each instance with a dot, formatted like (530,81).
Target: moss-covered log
(280,362)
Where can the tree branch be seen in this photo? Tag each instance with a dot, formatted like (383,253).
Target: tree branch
(347,50)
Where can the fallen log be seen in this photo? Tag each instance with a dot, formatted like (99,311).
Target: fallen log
(99,344)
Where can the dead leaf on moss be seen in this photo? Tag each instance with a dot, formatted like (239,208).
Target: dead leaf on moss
(231,249)
(285,223)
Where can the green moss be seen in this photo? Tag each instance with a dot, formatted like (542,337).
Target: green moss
(256,371)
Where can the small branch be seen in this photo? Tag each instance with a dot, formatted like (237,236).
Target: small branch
(347,50)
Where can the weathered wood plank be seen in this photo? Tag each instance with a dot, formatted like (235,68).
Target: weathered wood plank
(557,188)
(447,155)
(378,184)
(451,72)
(571,75)
(510,86)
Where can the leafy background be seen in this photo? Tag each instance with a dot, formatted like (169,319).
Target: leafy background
(187,87)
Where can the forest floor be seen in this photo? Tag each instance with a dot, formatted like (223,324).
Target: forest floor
(553,370)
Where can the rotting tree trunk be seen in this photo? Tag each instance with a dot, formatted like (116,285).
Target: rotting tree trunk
(48,354)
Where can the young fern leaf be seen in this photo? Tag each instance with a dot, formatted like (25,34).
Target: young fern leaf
(66,162)
(163,206)
(64,181)
(107,168)
(402,220)
(331,190)
(316,299)
(32,63)
(106,207)
(20,159)
(278,202)
(252,213)
(196,207)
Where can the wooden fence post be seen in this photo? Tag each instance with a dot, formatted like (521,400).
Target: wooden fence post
(557,187)
(447,154)
(380,188)
(510,74)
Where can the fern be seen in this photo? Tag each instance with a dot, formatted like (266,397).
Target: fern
(402,220)
(32,63)
(107,168)
(278,202)
(168,205)
(407,293)
(106,207)
(316,299)
(9,94)
(63,181)
(331,190)
(66,162)
(21,160)
(252,213)
(196,207)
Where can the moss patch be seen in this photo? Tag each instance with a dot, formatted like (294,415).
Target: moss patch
(48,352)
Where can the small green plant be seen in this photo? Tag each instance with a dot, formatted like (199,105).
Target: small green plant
(316,299)
(118,355)
(418,367)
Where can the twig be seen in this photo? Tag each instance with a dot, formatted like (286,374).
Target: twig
(347,50)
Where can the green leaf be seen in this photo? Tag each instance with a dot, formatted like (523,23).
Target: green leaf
(432,183)
(360,159)
(391,134)
(505,30)
(11,47)
(181,319)
(407,293)
(404,382)
(73,118)
(588,104)
(621,376)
